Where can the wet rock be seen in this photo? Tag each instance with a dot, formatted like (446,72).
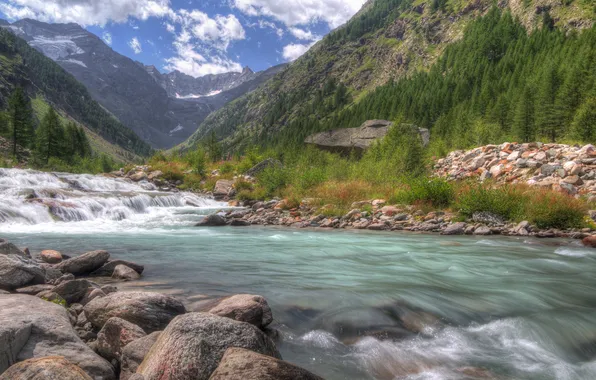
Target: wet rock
(455,229)
(72,291)
(134,353)
(200,339)
(7,248)
(213,220)
(139,176)
(17,271)
(115,335)
(149,311)
(33,328)
(590,241)
(50,256)
(84,264)
(35,289)
(483,231)
(239,223)
(108,268)
(122,272)
(248,308)
(46,368)
(241,364)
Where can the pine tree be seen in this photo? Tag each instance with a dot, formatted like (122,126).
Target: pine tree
(21,119)
(584,123)
(4,124)
(549,118)
(50,137)
(213,147)
(524,116)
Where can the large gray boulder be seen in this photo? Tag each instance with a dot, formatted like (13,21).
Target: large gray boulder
(213,220)
(192,345)
(134,353)
(346,140)
(46,368)
(241,364)
(108,268)
(33,328)
(248,308)
(17,271)
(84,264)
(149,311)
(115,335)
(7,248)
(72,291)
(122,272)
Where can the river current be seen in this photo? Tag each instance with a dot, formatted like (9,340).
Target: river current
(348,304)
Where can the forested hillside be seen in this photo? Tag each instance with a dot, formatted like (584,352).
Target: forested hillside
(522,72)
(23,66)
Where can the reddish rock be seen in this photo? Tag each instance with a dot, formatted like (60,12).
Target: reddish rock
(590,241)
(50,256)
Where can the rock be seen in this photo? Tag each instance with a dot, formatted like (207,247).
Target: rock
(52,297)
(139,176)
(258,168)
(239,223)
(389,210)
(241,364)
(455,229)
(487,218)
(223,188)
(573,180)
(134,353)
(72,291)
(46,368)
(483,230)
(35,289)
(377,227)
(52,274)
(149,311)
(154,175)
(17,271)
(200,339)
(213,220)
(123,272)
(33,328)
(7,248)
(108,268)
(108,289)
(92,293)
(115,335)
(64,278)
(590,241)
(51,257)
(84,264)
(248,308)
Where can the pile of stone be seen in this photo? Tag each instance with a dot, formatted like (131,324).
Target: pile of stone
(73,329)
(566,168)
(145,174)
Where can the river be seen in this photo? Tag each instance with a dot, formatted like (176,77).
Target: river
(348,304)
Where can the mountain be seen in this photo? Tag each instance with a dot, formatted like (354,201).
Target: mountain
(361,70)
(47,83)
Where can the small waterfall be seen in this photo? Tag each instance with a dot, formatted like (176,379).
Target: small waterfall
(32,198)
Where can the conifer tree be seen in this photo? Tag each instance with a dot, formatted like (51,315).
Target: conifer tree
(524,116)
(4,124)
(50,137)
(549,119)
(213,147)
(584,123)
(21,120)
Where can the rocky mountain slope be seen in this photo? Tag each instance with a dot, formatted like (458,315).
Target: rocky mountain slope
(164,109)
(47,83)
(387,40)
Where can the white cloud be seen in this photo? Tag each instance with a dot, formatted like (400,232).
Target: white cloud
(305,35)
(86,12)
(135,45)
(107,37)
(301,12)
(292,52)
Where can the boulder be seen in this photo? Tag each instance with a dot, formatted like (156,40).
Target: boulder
(483,231)
(7,248)
(134,353)
(223,188)
(84,264)
(108,268)
(46,368)
(258,168)
(590,241)
(35,289)
(115,335)
(213,220)
(241,364)
(200,339)
(17,271)
(239,223)
(50,256)
(33,328)
(455,229)
(72,291)
(139,176)
(244,308)
(149,311)
(123,272)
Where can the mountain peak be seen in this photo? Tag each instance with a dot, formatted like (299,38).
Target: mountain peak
(247,70)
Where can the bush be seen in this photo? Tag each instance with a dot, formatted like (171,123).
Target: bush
(549,209)
(273,179)
(435,192)
(506,201)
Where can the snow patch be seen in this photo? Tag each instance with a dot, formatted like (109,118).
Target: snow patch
(193,96)
(80,63)
(177,129)
(57,47)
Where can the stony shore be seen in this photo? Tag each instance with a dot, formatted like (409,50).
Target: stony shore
(58,323)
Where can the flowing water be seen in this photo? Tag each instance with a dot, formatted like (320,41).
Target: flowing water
(349,305)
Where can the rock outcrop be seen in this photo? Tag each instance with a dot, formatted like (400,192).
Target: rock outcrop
(46,368)
(200,339)
(115,335)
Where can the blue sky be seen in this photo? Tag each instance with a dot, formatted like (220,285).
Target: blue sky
(197,37)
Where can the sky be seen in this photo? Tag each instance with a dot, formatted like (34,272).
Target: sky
(197,37)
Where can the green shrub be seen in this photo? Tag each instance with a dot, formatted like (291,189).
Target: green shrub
(273,179)
(549,209)
(436,192)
